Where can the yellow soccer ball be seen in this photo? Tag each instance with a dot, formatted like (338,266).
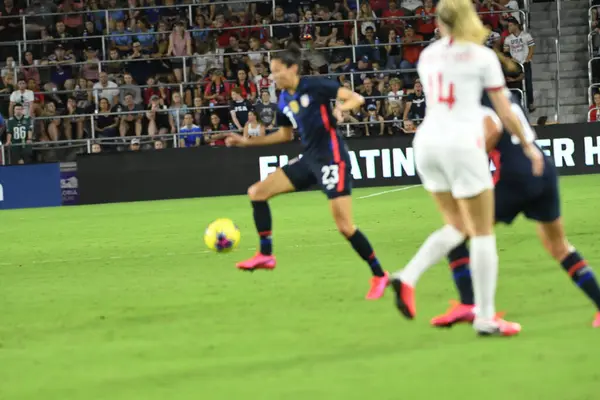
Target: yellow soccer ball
(222,235)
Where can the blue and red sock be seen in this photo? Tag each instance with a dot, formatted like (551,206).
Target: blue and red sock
(459,264)
(361,245)
(583,276)
(262,220)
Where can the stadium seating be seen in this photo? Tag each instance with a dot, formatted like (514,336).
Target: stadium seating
(190,55)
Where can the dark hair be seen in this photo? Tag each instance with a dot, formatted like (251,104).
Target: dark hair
(542,120)
(292,55)
(17,105)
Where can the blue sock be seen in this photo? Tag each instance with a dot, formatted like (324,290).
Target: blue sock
(262,220)
(361,245)
(583,276)
(459,264)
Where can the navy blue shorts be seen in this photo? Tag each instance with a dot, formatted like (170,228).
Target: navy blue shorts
(334,178)
(537,198)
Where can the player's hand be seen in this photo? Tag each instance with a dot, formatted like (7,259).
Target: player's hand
(536,157)
(235,140)
(337,113)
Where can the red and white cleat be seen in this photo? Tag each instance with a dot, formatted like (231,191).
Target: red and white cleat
(259,261)
(378,285)
(496,327)
(596,323)
(404,297)
(457,313)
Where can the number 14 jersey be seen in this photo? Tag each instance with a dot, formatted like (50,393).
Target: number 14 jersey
(454,74)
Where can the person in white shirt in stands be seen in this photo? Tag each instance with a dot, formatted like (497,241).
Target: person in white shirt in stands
(23,96)
(451,160)
(411,5)
(253,127)
(395,96)
(509,5)
(107,89)
(521,45)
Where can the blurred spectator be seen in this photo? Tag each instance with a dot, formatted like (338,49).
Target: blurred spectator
(361,71)
(266,110)
(61,69)
(509,5)
(159,144)
(50,127)
(234,57)
(395,96)
(392,17)
(282,33)
(349,126)
(29,68)
(326,30)
(129,87)
(264,80)
(489,16)
(105,123)
(253,127)
(372,96)
(139,64)
(411,5)
(74,124)
(157,117)
(200,31)
(395,119)
(19,135)
(413,45)
(90,41)
(6,89)
(247,88)
(215,125)
(89,70)
(107,89)
(145,36)
(238,109)
(180,45)
(256,53)
(177,111)
(393,50)
(24,97)
(120,38)
(414,109)
(426,22)
(374,122)
(73,18)
(520,45)
(366,17)
(135,145)
(594,108)
(368,46)
(409,127)
(190,135)
(131,122)
(114,65)
(11,27)
(96,148)
(314,59)
(217,90)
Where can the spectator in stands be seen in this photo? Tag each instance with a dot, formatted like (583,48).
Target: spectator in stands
(326,30)
(218,138)
(349,126)
(509,5)
(131,122)
(247,88)
(392,17)
(412,46)
(200,31)
(89,70)
(74,124)
(180,45)
(256,53)
(520,45)
(37,96)
(266,110)
(24,97)
(411,5)
(61,36)
(139,65)
(282,33)
(129,87)
(114,66)
(426,22)
(50,128)
(594,108)
(198,113)
(177,111)
(234,57)
(314,61)
(393,50)
(96,148)
(367,17)
(340,56)
(190,135)
(121,39)
(414,109)
(157,117)
(135,145)
(253,127)
(371,95)
(488,8)
(145,36)
(307,24)
(361,71)
(29,68)
(395,96)
(159,144)
(374,123)
(368,47)
(238,110)
(89,41)
(72,19)
(105,122)
(107,89)
(395,120)
(217,91)
(61,69)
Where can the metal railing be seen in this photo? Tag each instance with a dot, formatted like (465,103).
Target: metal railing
(557,47)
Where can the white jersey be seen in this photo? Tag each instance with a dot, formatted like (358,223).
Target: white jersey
(454,76)
(254,131)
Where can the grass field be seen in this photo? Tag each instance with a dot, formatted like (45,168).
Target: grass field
(123,302)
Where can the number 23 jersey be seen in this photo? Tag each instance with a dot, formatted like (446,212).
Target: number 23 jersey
(454,74)
(309,111)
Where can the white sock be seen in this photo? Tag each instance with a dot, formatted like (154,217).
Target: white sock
(484,272)
(437,245)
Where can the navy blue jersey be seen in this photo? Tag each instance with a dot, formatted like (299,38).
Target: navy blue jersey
(309,111)
(508,156)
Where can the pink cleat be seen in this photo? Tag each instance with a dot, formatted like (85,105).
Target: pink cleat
(596,323)
(378,285)
(259,261)
(496,327)
(457,313)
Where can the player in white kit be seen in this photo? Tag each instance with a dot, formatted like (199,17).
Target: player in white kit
(452,162)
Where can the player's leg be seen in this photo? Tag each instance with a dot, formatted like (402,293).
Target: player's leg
(553,238)
(294,176)
(341,209)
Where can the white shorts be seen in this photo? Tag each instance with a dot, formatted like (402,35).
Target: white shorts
(464,171)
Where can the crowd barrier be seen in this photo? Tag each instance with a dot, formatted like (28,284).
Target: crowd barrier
(181,173)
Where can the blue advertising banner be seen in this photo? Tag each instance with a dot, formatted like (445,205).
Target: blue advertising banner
(69,185)
(27,186)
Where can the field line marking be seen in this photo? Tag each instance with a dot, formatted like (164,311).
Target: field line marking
(389,191)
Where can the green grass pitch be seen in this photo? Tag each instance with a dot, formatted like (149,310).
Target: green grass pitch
(124,302)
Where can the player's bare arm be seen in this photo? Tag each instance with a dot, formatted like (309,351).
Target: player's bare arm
(347,101)
(283,134)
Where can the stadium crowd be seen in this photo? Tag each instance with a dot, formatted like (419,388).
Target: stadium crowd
(132,74)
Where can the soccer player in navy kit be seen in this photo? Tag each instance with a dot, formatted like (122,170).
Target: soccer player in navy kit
(518,191)
(305,105)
